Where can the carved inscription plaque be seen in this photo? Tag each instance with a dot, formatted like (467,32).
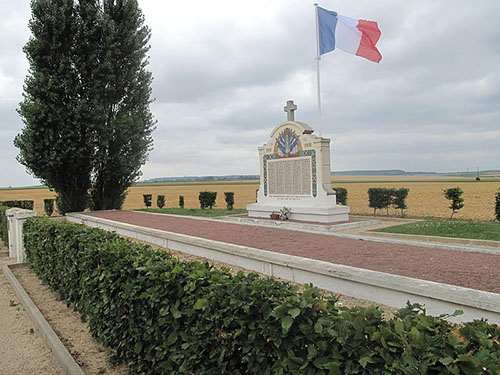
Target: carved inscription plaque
(291,176)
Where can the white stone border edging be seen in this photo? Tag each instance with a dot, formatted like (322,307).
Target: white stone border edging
(306,227)
(388,289)
(60,352)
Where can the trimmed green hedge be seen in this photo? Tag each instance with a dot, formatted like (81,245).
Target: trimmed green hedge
(3,225)
(147,199)
(341,194)
(163,316)
(379,198)
(229,198)
(497,205)
(207,199)
(26,204)
(160,201)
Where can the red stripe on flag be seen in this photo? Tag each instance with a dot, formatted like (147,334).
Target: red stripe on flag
(370,36)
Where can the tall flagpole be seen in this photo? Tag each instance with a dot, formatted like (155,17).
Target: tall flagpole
(318,59)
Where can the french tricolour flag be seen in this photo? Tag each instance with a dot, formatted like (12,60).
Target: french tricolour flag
(358,37)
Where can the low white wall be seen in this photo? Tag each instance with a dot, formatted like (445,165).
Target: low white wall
(391,290)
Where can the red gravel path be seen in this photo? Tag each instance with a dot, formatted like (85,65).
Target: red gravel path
(471,270)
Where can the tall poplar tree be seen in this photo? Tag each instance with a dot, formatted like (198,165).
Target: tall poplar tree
(86,100)
(55,145)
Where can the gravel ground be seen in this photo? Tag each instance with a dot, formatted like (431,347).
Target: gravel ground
(22,349)
(66,323)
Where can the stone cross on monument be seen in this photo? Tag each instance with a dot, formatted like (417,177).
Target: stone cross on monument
(289,108)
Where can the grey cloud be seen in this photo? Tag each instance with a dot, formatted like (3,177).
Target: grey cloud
(433,103)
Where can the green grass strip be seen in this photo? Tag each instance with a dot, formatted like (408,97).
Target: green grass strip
(194,212)
(450,228)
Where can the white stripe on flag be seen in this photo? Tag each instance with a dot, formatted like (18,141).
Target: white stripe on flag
(347,36)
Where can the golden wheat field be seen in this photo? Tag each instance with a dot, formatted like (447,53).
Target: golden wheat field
(424,199)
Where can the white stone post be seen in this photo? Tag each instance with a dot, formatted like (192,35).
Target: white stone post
(15,222)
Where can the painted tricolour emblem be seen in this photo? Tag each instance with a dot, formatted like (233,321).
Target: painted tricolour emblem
(287,144)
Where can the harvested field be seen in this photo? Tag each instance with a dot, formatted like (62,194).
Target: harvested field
(425,197)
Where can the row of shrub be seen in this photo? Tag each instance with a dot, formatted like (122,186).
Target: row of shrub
(159,315)
(3,225)
(206,198)
(378,198)
(382,198)
(29,204)
(26,204)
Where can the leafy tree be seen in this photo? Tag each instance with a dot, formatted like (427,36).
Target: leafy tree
(399,199)
(380,198)
(207,199)
(181,201)
(54,145)
(160,201)
(147,199)
(455,196)
(229,197)
(121,89)
(86,100)
(341,194)
(497,205)
(48,206)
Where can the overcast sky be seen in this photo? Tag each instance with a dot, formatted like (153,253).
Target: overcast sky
(223,70)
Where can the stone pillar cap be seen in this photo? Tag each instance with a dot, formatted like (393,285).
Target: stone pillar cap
(19,213)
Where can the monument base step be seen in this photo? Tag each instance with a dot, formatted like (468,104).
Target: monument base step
(318,215)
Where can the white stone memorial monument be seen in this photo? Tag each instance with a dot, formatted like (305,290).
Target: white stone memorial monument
(295,173)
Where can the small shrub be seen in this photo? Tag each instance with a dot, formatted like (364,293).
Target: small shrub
(341,195)
(455,196)
(160,201)
(181,201)
(229,197)
(28,205)
(399,199)
(3,225)
(48,206)
(207,199)
(380,198)
(497,205)
(147,199)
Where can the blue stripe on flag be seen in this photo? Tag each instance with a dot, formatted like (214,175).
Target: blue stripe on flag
(327,22)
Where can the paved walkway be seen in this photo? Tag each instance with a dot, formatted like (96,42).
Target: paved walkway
(467,269)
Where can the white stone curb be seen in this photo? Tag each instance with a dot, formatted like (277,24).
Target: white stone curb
(60,352)
(388,289)
(305,227)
